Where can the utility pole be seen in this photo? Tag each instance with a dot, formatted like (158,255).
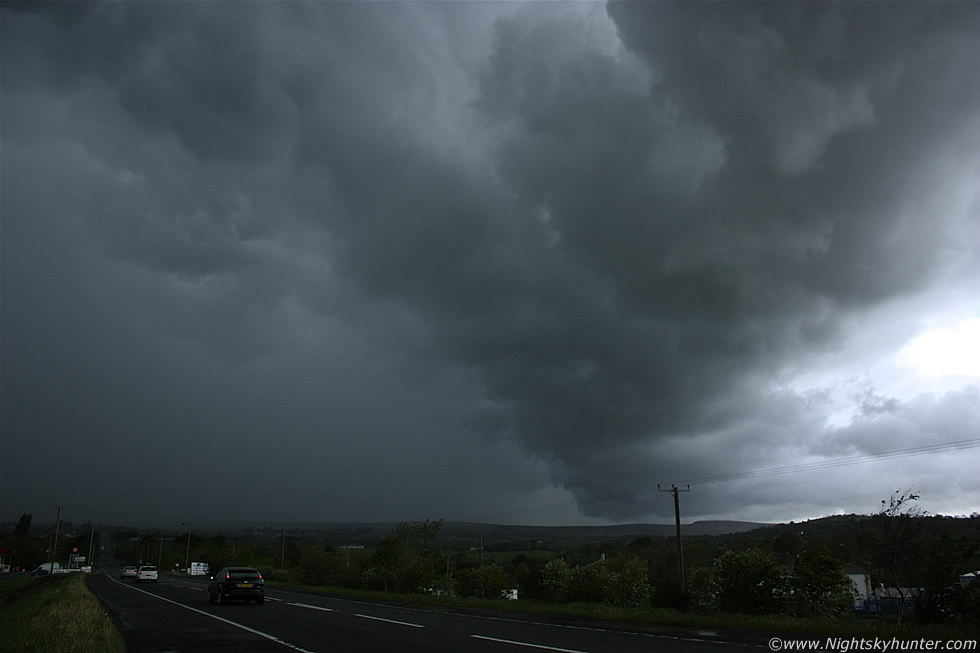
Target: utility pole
(282,563)
(677,521)
(91,544)
(54,550)
(187,524)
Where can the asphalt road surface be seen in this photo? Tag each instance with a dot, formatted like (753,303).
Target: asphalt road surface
(174,615)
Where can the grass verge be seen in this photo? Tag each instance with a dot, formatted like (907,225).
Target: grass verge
(55,614)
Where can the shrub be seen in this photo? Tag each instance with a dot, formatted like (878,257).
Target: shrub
(749,581)
(487,582)
(591,583)
(555,580)
(629,584)
(819,584)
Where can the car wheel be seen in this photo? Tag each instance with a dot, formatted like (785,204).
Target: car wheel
(259,601)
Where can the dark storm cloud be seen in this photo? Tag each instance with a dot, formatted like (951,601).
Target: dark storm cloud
(801,208)
(429,257)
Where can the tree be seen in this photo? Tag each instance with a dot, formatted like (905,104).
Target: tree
(404,557)
(488,582)
(788,545)
(702,589)
(630,583)
(749,581)
(819,583)
(23,525)
(555,579)
(590,583)
(387,561)
(895,542)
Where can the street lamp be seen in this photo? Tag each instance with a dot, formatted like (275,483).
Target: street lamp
(188,566)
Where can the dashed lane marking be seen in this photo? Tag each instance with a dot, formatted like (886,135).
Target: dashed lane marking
(526,644)
(391,621)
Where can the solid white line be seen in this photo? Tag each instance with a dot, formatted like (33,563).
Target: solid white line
(508,641)
(391,621)
(208,614)
(311,607)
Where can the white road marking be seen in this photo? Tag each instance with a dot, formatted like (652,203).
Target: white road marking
(527,644)
(215,617)
(391,621)
(311,607)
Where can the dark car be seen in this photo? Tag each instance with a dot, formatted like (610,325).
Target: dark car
(237,584)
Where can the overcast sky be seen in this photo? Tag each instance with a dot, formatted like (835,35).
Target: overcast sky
(511,263)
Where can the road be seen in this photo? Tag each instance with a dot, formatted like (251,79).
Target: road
(174,615)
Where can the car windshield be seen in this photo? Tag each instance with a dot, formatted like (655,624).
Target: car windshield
(243,573)
(148,568)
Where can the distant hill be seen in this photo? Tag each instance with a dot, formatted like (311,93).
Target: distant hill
(350,533)
(584,533)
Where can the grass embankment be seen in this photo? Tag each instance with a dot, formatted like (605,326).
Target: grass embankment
(664,619)
(55,614)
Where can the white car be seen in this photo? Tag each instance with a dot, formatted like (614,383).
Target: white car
(147,572)
(128,572)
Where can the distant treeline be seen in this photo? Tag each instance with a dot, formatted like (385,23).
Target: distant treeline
(786,568)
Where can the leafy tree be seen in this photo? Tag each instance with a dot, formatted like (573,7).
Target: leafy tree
(404,559)
(819,583)
(941,597)
(23,525)
(488,582)
(749,581)
(555,579)
(629,586)
(320,567)
(702,588)
(788,544)
(590,583)
(386,561)
(527,572)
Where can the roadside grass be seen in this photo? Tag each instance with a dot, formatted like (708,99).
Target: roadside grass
(55,614)
(669,620)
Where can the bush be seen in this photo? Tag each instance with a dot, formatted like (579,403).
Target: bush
(487,582)
(819,584)
(629,585)
(749,581)
(591,583)
(555,580)
(702,589)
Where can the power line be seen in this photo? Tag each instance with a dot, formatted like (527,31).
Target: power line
(841,462)
(759,473)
